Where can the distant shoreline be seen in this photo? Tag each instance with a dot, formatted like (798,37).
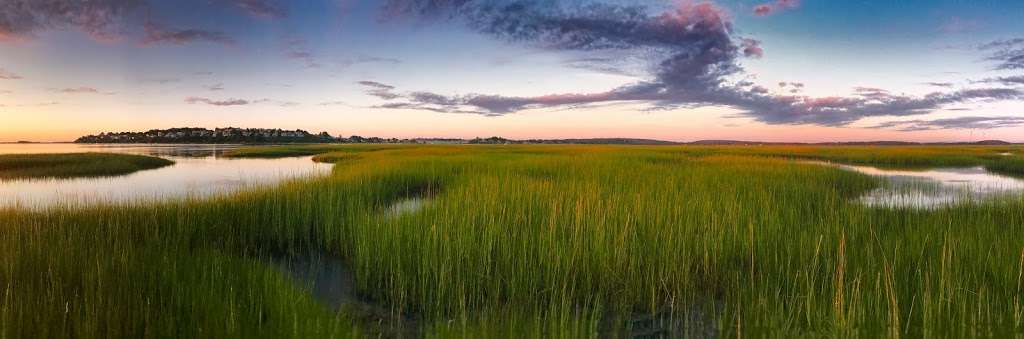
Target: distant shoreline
(263,137)
(561,142)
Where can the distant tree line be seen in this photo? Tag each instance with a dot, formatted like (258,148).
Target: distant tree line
(234,135)
(189,135)
(203,135)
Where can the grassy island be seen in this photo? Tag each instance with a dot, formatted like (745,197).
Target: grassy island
(75,165)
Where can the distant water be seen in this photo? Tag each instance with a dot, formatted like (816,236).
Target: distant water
(935,187)
(199,170)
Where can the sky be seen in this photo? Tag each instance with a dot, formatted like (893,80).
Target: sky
(767,70)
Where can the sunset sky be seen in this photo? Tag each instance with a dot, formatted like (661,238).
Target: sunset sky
(778,70)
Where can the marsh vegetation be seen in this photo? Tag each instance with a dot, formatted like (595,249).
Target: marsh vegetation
(75,165)
(518,241)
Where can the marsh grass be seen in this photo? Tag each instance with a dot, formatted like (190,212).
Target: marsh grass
(75,165)
(520,241)
(1009,165)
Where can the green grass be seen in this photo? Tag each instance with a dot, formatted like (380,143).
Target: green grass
(1013,166)
(75,165)
(903,157)
(534,241)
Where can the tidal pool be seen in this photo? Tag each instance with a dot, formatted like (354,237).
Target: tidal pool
(199,171)
(934,188)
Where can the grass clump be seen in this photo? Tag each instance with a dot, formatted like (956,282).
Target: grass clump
(75,165)
(1013,166)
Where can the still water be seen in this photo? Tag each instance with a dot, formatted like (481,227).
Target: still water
(936,187)
(199,170)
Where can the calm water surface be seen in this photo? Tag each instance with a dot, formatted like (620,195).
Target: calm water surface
(199,170)
(936,187)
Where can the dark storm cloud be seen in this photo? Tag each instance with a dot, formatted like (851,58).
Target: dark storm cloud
(973,122)
(700,53)
(157,34)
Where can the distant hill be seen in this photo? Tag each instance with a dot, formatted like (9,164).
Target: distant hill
(993,143)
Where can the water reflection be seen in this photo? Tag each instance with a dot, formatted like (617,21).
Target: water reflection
(199,170)
(408,206)
(935,187)
(159,150)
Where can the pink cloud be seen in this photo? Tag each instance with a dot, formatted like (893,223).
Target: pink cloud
(778,5)
(787,4)
(752,48)
(762,10)
(7,75)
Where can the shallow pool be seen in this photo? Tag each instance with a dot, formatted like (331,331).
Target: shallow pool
(199,171)
(935,187)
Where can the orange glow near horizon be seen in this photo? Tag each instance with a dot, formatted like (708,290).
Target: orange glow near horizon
(49,125)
